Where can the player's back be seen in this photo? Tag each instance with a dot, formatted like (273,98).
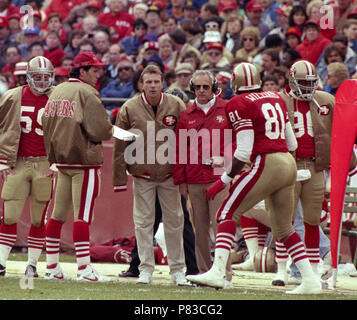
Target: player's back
(266,114)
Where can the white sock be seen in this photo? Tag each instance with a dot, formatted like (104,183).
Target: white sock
(33,256)
(4,254)
(220,260)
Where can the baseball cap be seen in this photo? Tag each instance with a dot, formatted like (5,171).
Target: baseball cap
(184,67)
(212,36)
(160,3)
(87,59)
(3,22)
(215,45)
(94,4)
(20,68)
(125,62)
(284,10)
(61,71)
(153,9)
(151,45)
(254,5)
(294,30)
(223,77)
(32,30)
(226,5)
(16,16)
(189,4)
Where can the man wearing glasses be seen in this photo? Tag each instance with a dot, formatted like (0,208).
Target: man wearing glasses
(198,153)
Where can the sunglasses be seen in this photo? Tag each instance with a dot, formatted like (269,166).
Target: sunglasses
(215,25)
(248,39)
(124,69)
(204,86)
(214,54)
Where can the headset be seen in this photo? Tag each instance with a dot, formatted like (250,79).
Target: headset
(214,84)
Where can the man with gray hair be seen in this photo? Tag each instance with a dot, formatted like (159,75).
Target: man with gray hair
(202,153)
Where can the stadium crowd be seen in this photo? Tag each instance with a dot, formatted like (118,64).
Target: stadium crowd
(179,37)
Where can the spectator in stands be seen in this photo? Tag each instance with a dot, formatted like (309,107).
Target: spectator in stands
(7,9)
(231,36)
(215,58)
(191,57)
(289,57)
(313,12)
(191,10)
(350,56)
(213,24)
(250,44)
(63,7)
(281,73)
(180,45)
(54,51)
(341,10)
(337,72)
(208,10)
(31,35)
(254,12)
(193,30)
(139,11)
(166,50)
(230,8)
(224,89)
(67,62)
(184,73)
(283,21)
(54,23)
(298,17)
(20,74)
(270,83)
(94,8)
(213,36)
(12,55)
(122,87)
(176,10)
(14,26)
(153,20)
(293,37)
(61,75)
(88,24)
(36,49)
(119,22)
(102,44)
(76,37)
(133,42)
(270,16)
(115,54)
(169,24)
(349,29)
(270,59)
(86,45)
(332,53)
(314,44)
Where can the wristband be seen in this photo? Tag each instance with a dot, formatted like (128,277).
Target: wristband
(225,178)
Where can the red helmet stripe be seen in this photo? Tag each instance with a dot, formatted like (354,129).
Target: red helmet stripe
(39,63)
(245,75)
(308,68)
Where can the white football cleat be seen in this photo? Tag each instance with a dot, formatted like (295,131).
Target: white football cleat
(91,275)
(144,278)
(211,278)
(56,273)
(178,278)
(247,265)
(307,286)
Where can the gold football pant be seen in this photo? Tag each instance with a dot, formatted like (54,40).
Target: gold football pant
(271,178)
(27,182)
(76,191)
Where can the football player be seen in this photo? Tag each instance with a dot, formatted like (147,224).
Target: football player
(23,161)
(310,112)
(265,137)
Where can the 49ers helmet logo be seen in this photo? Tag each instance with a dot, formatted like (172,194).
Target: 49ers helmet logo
(169,120)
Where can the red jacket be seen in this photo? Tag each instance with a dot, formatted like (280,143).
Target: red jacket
(195,151)
(119,25)
(63,7)
(311,51)
(55,56)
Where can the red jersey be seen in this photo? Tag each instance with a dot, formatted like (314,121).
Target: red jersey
(304,132)
(119,25)
(265,113)
(31,140)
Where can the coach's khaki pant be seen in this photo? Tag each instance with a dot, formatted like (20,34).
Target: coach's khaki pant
(172,217)
(204,216)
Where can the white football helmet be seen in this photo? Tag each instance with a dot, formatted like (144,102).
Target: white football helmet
(303,80)
(245,77)
(40,74)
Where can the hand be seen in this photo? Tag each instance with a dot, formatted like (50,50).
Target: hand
(217,162)
(183,190)
(6,172)
(49,173)
(215,188)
